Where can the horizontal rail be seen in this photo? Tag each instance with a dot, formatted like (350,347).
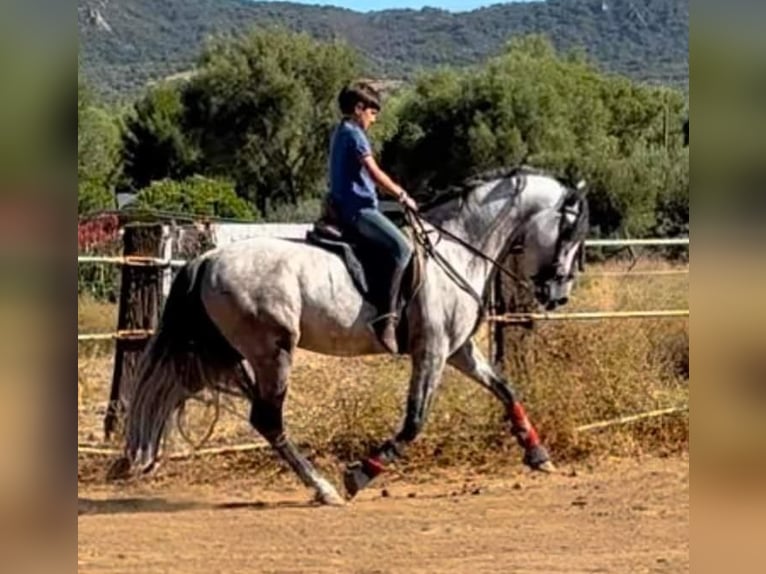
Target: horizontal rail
(132,261)
(136,261)
(645,273)
(133,335)
(632,418)
(141,334)
(586,316)
(680,241)
(160,262)
(211,451)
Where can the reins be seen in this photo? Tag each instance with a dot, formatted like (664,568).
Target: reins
(421,235)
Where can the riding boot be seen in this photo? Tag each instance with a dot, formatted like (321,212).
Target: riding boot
(386,324)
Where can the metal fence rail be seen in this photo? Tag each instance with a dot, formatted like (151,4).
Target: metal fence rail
(132,261)
(157,261)
(638,273)
(632,418)
(587,316)
(134,335)
(510,318)
(677,241)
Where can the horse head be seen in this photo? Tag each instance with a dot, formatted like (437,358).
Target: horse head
(553,242)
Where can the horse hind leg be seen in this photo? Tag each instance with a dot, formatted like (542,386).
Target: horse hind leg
(271,367)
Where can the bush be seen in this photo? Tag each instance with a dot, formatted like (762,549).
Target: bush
(93,197)
(196,196)
(306,211)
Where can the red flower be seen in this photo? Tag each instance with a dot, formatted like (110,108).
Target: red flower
(99,233)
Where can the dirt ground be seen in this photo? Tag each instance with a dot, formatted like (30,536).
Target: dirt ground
(619,516)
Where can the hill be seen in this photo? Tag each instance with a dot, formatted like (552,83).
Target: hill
(127,43)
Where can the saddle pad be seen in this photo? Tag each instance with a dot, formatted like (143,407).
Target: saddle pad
(345,252)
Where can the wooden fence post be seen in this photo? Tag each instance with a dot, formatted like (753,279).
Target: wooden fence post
(139,308)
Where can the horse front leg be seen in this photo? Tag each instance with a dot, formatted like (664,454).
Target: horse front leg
(469,360)
(427,369)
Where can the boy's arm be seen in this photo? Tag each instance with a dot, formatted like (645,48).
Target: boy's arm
(384,181)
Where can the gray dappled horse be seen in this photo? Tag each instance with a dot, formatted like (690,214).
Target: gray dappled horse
(247,306)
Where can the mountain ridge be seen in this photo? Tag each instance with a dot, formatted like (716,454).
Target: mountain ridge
(126,44)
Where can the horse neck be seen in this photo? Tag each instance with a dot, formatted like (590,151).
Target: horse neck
(494,213)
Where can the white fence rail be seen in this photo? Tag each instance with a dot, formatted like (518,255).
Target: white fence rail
(132,261)
(587,316)
(675,241)
(616,243)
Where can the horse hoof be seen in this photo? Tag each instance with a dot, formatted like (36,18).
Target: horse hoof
(330,499)
(327,495)
(355,478)
(547,467)
(537,458)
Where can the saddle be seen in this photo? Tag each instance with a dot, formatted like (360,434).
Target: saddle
(363,264)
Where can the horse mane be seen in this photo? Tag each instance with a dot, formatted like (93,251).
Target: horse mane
(464,187)
(450,200)
(457,193)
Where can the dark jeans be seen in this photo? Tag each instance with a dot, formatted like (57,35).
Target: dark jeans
(376,229)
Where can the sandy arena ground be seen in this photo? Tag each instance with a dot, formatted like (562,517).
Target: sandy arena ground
(621,516)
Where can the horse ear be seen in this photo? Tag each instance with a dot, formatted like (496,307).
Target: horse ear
(581,186)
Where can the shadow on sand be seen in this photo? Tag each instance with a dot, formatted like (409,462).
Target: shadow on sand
(91,506)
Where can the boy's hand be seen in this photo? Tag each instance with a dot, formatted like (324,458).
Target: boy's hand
(392,188)
(408,202)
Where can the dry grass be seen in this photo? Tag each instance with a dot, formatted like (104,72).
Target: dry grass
(568,374)
(580,372)
(94,316)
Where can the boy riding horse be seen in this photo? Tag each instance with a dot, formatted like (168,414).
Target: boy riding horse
(353,175)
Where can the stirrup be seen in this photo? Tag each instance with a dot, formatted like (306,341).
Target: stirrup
(379,318)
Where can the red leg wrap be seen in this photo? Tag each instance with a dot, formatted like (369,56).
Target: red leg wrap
(373,466)
(521,423)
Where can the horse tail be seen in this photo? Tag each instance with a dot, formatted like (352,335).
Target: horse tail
(186,353)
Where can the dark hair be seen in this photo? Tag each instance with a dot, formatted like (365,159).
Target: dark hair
(358,93)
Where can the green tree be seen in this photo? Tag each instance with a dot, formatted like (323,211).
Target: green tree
(156,143)
(262,108)
(99,153)
(197,196)
(672,209)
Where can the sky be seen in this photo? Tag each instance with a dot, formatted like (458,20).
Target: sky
(368,5)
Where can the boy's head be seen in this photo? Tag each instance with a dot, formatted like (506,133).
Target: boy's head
(360,102)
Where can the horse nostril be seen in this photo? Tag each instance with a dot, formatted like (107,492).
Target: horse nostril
(563,300)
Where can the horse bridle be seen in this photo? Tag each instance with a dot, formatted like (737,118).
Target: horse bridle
(571,205)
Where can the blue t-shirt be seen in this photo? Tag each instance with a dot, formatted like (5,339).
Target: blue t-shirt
(351,187)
